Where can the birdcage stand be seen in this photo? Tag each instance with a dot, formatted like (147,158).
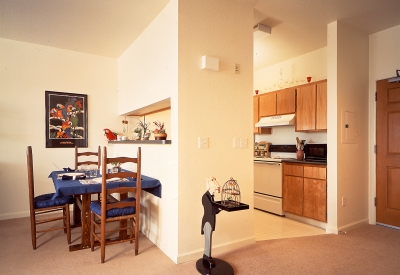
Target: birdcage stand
(221,267)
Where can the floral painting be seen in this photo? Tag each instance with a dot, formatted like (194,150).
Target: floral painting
(66,120)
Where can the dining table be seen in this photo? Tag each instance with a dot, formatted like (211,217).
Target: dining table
(82,189)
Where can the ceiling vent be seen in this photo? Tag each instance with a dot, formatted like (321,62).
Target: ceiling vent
(260,31)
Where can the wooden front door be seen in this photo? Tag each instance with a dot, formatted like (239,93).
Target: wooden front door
(388,153)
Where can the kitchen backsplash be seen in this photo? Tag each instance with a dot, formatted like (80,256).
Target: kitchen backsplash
(287,135)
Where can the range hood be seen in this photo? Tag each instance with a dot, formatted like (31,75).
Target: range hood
(271,121)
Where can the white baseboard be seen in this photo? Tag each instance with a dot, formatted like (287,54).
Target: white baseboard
(349,226)
(16,215)
(305,220)
(23,214)
(353,225)
(222,248)
(331,230)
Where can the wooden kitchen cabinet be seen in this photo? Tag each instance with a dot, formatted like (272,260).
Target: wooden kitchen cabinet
(314,199)
(286,101)
(292,195)
(256,118)
(278,103)
(304,190)
(292,189)
(321,113)
(267,104)
(311,107)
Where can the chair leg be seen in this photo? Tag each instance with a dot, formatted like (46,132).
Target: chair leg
(67,223)
(131,234)
(64,220)
(103,251)
(103,240)
(33,230)
(92,232)
(136,235)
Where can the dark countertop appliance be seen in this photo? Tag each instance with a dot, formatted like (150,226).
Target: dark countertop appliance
(315,152)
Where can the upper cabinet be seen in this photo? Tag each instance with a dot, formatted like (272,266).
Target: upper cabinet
(321,113)
(278,103)
(256,117)
(286,101)
(308,101)
(311,107)
(267,105)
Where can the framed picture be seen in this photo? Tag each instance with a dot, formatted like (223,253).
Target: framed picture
(66,120)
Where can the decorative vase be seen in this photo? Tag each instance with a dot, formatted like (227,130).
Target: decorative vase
(160,136)
(136,136)
(300,155)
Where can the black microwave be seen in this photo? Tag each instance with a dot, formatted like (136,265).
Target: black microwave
(315,152)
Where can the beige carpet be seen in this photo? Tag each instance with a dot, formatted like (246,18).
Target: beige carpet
(365,250)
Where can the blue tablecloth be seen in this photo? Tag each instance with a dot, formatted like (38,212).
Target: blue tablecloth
(74,187)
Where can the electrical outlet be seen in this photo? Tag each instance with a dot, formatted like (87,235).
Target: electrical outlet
(202,143)
(243,142)
(343,201)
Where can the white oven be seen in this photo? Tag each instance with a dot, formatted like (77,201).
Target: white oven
(268,185)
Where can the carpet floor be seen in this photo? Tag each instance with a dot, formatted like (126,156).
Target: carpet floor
(367,249)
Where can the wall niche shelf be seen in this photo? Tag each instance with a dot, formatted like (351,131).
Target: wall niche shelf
(139,141)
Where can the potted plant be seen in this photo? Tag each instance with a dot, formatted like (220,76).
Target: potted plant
(159,132)
(137,133)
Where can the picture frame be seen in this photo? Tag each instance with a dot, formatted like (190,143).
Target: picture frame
(66,120)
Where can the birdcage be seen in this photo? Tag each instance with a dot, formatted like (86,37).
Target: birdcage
(230,194)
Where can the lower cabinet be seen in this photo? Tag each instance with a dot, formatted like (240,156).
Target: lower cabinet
(304,190)
(293,194)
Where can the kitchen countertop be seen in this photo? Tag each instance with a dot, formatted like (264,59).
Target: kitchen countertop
(304,161)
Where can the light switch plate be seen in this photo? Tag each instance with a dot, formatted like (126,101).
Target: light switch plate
(236,142)
(243,142)
(202,143)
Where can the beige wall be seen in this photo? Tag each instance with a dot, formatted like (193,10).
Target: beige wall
(147,73)
(352,96)
(347,91)
(294,72)
(26,72)
(332,131)
(384,59)
(144,79)
(217,105)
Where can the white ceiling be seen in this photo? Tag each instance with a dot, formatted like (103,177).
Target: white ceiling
(300,26)
(100,27)
(107,28)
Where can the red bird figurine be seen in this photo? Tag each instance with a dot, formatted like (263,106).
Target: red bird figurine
(109,134)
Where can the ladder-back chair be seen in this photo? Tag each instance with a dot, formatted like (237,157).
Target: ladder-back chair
(82,155)
(44,204)
(126,210)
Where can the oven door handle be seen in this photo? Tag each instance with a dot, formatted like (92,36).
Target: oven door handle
(268,163)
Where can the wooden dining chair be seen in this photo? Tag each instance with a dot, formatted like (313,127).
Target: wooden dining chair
(44,204)
(126,210)
(81,158)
